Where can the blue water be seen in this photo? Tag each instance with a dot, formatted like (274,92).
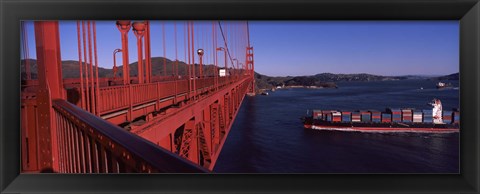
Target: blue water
(268,137)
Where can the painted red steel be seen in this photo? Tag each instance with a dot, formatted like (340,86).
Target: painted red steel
(139,30)
(229,97)
(87,90)
(115,62)
(124,26)
(80,65)
(50,86)
(96,146)
(188,115)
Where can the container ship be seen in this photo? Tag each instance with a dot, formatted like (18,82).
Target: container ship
(433,120)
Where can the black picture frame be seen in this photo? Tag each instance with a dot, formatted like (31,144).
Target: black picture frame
(466,11)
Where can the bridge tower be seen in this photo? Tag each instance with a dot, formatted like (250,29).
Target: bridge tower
(251,68)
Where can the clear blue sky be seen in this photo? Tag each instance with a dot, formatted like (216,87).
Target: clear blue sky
(307,47)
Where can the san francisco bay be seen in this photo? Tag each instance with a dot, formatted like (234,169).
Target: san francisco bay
(268,136)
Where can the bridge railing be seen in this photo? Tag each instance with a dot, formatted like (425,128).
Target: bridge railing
(112,98)
(115,98)
(142,93)
(89,144)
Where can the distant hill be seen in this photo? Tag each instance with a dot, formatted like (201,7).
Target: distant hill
(70,68)
(329,79)
(268,82)
(454,76)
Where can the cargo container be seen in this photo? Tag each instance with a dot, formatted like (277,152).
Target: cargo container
(346,116)
(447,116)
(417,116)
(427,116)
(407,115)
(366,116)
(376,116)
(386,118)
(456,117)
(325,113)
(329,117)
(317,114)
(336,116)
(396,114)
(356,117)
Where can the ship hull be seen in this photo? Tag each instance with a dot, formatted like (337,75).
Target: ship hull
(382,127)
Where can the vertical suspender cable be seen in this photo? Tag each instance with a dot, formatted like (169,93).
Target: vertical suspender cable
(200,45)
(175,65)
(215,45)
(204,45)
(96,67)
(148,54)
(234,48)
(214,60)
(193,60)
(164,50)
(185,47)
(176,49)
(86,67)
(189,61)
(92,93)
(82,98)
(125,52)
(22,40)
(225,37)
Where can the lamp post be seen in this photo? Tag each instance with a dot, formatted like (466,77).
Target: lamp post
(115,63)
(225,64)
(235,67)
(124,26)
(200,53)
(139,30)
(242,69)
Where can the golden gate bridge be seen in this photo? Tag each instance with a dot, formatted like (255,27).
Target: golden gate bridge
(151,122)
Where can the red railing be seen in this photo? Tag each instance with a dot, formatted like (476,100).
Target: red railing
(142,93)
(89,144)
(111,98)
(115,98)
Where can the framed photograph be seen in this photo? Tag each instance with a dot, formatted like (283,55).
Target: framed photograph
(240,96)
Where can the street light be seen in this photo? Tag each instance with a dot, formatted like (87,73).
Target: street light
(242,69)
(225,64)
(200,53)
(236,66)
(115,63)
(225,52)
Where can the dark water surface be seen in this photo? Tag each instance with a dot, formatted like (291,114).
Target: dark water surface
(268,136)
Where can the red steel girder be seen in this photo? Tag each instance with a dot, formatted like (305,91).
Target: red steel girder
(199,113)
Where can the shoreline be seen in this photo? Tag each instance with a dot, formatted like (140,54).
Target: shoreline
(297,86)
